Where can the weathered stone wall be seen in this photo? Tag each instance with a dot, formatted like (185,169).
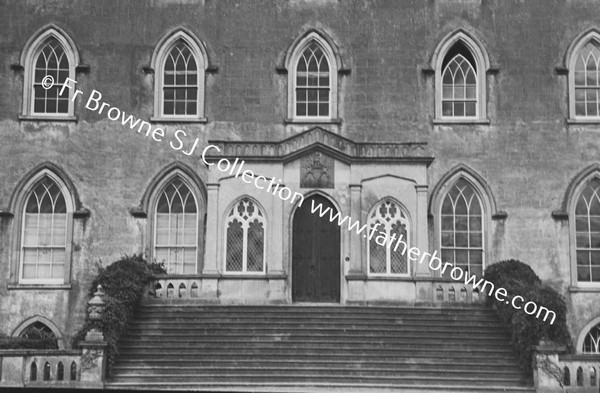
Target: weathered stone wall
(528,154)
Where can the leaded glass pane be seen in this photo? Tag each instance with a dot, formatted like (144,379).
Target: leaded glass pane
(245,238)
(393,223)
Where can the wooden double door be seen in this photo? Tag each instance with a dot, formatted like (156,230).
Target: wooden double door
(315,253)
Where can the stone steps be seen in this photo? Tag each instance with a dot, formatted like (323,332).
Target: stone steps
(249,348)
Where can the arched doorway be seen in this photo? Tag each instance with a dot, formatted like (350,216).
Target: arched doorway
(315,253)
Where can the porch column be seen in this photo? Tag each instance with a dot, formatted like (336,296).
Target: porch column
(422,240)
(212,232)
(356,262)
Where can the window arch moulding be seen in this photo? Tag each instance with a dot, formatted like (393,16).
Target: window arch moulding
(180,63)
(581,65)
(474,240)
(581,208)
(56,197)
(50,51)
(313,64)
(460,65)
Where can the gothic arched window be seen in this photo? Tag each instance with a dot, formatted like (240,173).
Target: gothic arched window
(388,218)
(44,237)
(462,235)
(245,237)
(176,232)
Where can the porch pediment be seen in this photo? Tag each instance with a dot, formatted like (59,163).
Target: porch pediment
(327,142)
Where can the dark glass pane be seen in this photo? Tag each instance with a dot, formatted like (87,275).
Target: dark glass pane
(470,109)
(462,239)
(446,108)
(50,106)
(234,246)
(447,223)
(301,110)
(583,258)
(63,106)
(475,240)
(447,239)
(459,109)
(169,107)
(461,223)
(191,108)
(255,246)
(312,109)
(323,109)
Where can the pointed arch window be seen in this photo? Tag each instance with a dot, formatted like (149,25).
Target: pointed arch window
(180,64)
(176,231)
(245,238)
(45,234)
(591,342)
(587,232)
(312,82)
(50,54)
(583,64)
(459,83)
(460,65)
(388,218)
(462,228)
(587,80)
(180,82)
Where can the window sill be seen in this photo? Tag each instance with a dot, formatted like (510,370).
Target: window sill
(584,121)
(48,118)
(589,289)
(250,276)
(461,121)
(388,278)
(202,120)
(312,121)
(39,286)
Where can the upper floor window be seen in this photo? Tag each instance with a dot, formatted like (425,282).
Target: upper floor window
(179,63)
(176,232)
(245,237)
(587,81)
(45,234)
(388,218)
(312,84)
(459,83)
(49,59)
(587,232)
(460,67)
(583,63)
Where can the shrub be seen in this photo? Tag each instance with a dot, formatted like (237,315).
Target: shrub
(41,340)
(526,330)
(124,283)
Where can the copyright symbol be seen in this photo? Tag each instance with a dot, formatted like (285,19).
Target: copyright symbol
(47,82)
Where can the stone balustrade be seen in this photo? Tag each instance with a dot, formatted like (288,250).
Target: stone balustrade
(556,372)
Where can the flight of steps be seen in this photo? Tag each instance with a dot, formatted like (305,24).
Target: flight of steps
(316,349)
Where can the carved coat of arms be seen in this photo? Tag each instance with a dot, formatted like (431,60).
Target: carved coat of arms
(316,171)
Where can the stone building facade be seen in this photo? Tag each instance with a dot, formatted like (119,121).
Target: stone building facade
(469,127)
